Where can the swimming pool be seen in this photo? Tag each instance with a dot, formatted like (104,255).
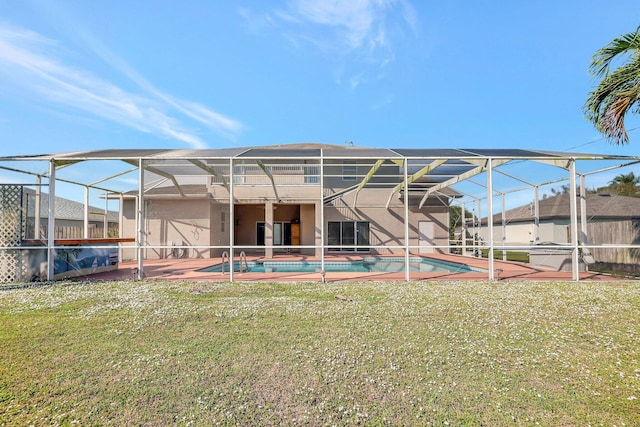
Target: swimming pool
(366,265)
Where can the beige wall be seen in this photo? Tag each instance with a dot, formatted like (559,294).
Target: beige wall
(219,231)
(206,221)
(308,230)
(386,226)
(177,221)
(247,217)
(128,229)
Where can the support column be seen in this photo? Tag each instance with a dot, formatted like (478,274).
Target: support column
(504,230)
(232,222)
(584,238)
(464,231)
(322,230)
(575,260)
(37,208)
(105,229)
(140,212)
(268,229)
(120,225)
(406,220)
(490,215)
(536,210)
(51,221)
(317,241)
(86,212)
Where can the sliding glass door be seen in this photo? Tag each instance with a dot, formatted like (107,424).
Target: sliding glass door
(348,233)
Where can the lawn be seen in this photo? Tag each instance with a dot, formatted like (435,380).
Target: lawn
(445,353)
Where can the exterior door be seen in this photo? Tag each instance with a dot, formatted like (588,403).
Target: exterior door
(426,237)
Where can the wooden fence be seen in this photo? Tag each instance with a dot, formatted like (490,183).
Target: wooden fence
(75,232)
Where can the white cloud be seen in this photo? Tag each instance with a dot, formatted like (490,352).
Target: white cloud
(363,33)
(342,26)
(28,63)
(353,19)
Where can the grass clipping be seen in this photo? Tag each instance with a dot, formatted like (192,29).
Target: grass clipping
(454,353)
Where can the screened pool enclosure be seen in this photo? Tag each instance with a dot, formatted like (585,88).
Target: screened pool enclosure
(550,210)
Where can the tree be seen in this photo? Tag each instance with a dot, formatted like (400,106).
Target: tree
(626,184)
(619,90)
(455,219)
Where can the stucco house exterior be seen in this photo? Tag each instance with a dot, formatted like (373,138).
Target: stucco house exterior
(282,201)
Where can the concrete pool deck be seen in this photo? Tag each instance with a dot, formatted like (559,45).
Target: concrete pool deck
(187,270)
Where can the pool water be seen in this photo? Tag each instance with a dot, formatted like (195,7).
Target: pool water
(366,265)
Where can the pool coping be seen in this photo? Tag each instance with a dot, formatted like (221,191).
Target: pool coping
(186,270)
(315,265)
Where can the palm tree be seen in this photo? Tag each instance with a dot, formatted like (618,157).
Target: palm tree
(619,90)
(626,184)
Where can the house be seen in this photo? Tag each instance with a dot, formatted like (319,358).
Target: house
(69,217)
(610,220)
(284,201)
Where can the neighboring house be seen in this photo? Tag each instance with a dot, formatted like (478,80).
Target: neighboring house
(611,219)
(69,218)
(283,202)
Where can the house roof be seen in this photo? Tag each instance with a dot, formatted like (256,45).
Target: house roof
(65,209)
(188,190)
(599,206)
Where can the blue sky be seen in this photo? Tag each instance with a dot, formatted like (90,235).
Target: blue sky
(80,75)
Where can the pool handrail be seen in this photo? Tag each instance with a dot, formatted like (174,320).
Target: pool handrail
(225,253)
(243,255)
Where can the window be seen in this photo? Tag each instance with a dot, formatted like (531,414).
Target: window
(349,170)
(223,221)
(311,174)
(348,233)
(239,174)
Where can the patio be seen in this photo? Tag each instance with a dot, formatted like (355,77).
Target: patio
(187,270)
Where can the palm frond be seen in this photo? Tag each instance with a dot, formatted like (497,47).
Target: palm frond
(619,90)
(627,43)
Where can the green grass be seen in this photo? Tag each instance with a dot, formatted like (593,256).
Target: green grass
(519,256)
(455,353)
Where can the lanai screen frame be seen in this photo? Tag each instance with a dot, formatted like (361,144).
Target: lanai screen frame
(478,161)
